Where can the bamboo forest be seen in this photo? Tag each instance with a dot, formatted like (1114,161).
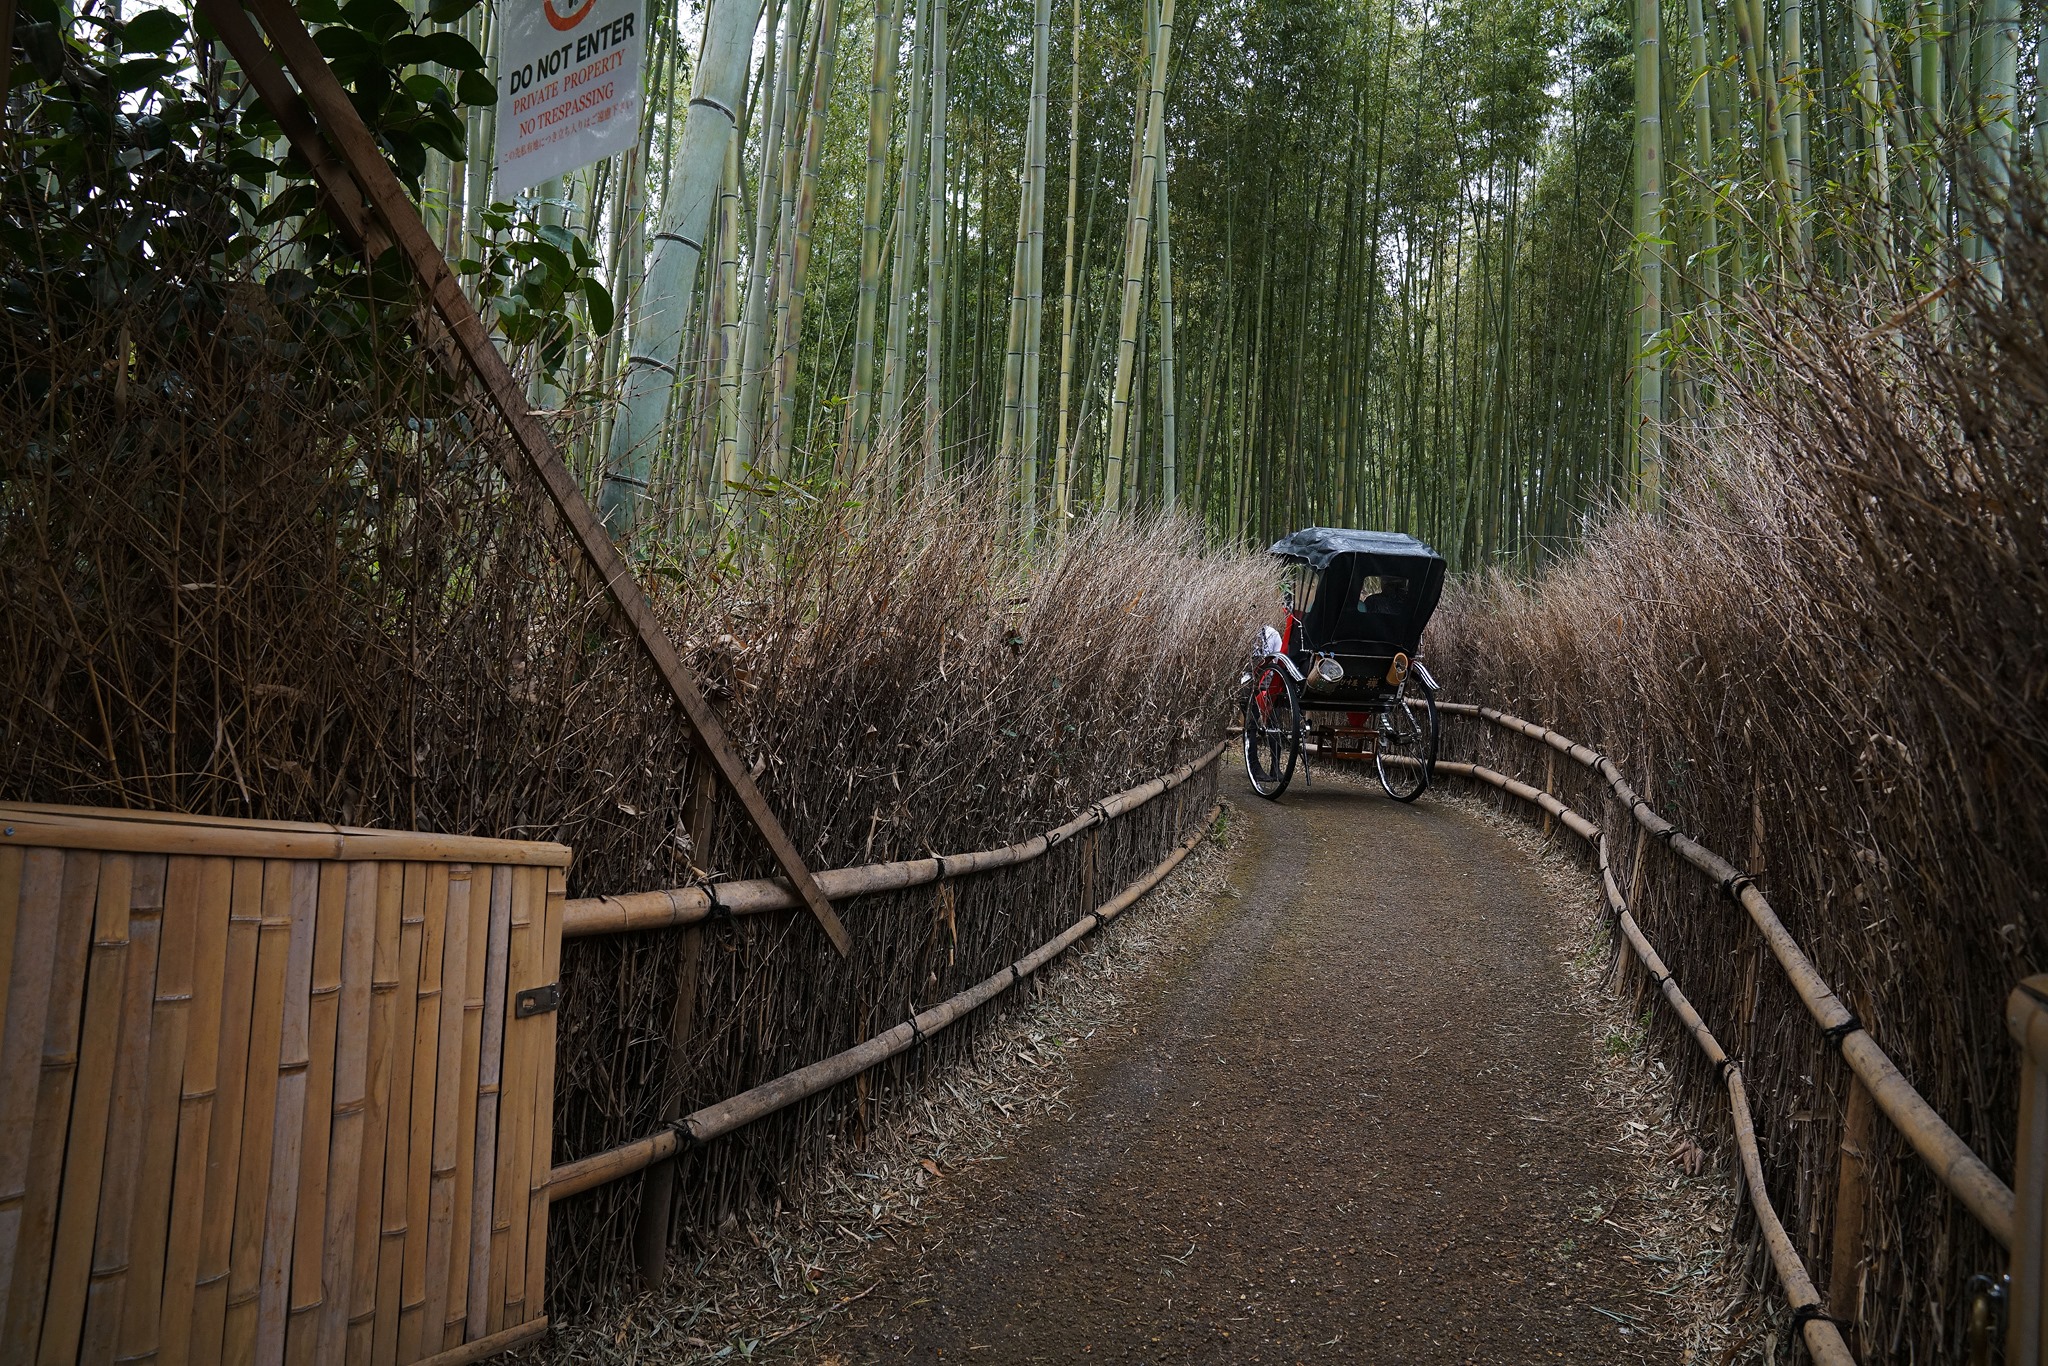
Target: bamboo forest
(1454,266)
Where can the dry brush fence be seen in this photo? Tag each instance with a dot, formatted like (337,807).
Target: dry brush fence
(1874,1078)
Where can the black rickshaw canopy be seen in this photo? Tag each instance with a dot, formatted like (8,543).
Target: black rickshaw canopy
(1370,596)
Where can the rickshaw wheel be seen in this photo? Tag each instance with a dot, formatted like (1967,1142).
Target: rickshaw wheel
(1407,746)
(1272,732)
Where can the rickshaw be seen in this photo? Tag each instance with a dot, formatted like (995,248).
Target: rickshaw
(1344,675)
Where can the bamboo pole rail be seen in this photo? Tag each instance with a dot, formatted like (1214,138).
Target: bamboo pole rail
(736,1112)
(1959,1168)
(1822,1336)
(690,905)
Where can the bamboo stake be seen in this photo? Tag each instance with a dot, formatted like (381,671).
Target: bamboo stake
(657,1188)
(197,1092)
(128,1117)
(216,1222)
(540,1173)
(77,903)
(1845,1271)
(467,1080)
(337,1106)
(441,1196)
(516,1114)
(33,947)
(91,1064)
(425,1123)
(168,1048)
(396,1215)
(388,1052)
(490,1077)
(296,1181)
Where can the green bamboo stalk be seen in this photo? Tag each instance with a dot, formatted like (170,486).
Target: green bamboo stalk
(1060,437)
(779,59)
(1134,261)
(1870,115)
(800,242)
(1763,82)
(853,441)
(1169,493)
(686,213)
(1034,276)
(1649,231)
(1707,182)
(909,204)
(935,269)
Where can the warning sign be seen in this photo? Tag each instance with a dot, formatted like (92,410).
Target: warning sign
(568,86)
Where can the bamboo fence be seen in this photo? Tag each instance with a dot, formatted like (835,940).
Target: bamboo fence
(273,1091)
(285,1091)
(1877,1084)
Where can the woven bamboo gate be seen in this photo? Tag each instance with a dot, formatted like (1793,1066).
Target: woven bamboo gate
(271,1092)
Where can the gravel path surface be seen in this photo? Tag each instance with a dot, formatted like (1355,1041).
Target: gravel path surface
(1354,1130)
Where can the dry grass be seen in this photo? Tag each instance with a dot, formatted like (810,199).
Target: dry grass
(227,591)
(1828,662)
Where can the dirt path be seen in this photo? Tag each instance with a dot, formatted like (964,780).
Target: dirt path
(1354,1130)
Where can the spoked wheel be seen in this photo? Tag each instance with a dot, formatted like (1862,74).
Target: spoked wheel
(1272,732)
(1407,747)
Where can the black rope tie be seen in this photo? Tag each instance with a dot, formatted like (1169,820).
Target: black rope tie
(1724,1067)
(940,860)
(719,911)
(1803,1314)
(679,238)
(1834,1034)
(916,1034)
(1668,833)
(1734,883)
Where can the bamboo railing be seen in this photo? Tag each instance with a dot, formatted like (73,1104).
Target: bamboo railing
(1876,1078)
(683,906)
(690,905)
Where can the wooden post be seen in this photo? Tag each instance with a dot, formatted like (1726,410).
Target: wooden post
(1845,1281)
(2026,1018)
(658,1186)
(322,124)
(1549,766)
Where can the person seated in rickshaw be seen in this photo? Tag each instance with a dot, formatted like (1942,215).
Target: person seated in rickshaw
(1383,594)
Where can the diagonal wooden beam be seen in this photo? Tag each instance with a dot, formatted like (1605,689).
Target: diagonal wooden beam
(336,138)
